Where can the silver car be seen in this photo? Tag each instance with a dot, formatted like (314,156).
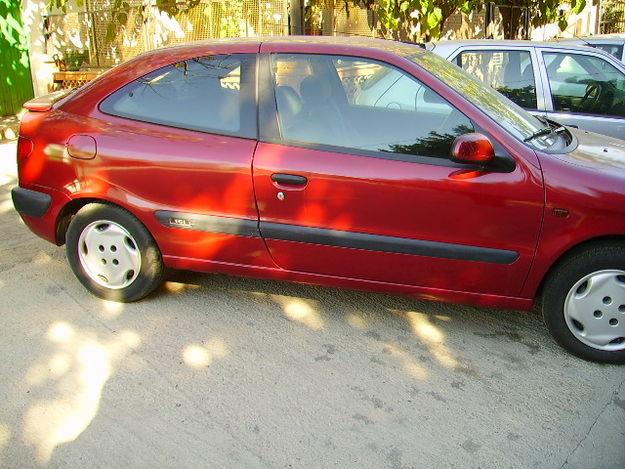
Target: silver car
(573,85)
(613,44)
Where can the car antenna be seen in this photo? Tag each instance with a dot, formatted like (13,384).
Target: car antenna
(582,39)
(577,37)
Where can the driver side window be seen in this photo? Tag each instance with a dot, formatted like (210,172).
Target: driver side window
(585,84)
(361,104)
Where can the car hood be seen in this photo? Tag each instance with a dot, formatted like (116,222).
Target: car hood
(596,151)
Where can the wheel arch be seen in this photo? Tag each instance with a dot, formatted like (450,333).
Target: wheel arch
(71,208)
(571,251)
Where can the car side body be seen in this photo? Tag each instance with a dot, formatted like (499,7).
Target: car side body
(551,79)
(250,202)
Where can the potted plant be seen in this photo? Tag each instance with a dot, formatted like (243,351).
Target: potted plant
(74,59)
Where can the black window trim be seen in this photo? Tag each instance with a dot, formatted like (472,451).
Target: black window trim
(458,61)
(249,121)
(575,113)
(269,131)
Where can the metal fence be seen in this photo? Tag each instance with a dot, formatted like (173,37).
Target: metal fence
(112,35)
(613,19)
(492,20)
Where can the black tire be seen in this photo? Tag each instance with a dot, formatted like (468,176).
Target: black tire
(580,263)
(151,270)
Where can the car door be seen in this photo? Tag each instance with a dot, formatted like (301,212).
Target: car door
(189,134)
(585,90)
(513,72)
(363,191)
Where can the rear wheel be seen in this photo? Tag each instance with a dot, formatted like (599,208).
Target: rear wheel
(584,303)
(112,253)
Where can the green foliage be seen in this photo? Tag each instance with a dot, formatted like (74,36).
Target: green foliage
(15,80)
(425,19)
(74,59)
(62,4)
(170,7)
(12,32)
(612,16)
(231,11)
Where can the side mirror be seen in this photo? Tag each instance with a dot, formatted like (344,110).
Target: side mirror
(472,148)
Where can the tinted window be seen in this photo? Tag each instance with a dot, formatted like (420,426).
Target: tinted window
(211,94)
(612,49)
(362,104)
(509,72)
(585,84)
(509,115)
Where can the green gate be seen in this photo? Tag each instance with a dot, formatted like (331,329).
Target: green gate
(16,84)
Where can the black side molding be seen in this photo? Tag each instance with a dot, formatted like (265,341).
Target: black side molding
(208,223)
(349,239)
(31,203)
(336,238)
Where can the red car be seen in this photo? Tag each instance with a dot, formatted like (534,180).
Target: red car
(284,158)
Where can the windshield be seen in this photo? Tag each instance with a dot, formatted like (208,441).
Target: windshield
(509,115)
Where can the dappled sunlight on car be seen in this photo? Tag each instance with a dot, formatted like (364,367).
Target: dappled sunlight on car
(69,384)
(202,355)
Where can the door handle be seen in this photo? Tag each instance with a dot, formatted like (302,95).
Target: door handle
(289,179)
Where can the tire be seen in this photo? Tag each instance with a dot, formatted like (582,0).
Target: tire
(583,303)
(112,253)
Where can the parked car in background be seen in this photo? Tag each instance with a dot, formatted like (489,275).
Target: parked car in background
(287,159)
(613,44)
(576,86)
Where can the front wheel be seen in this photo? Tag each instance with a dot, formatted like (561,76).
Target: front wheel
(112,253)
(584,303)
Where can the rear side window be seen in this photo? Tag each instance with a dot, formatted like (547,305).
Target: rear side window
(509,72)
(212,94)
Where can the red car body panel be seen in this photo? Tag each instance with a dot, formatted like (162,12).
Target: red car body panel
(148,168)
(404,200)
(588,184)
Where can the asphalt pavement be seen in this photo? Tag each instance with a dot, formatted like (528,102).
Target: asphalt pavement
(216,371)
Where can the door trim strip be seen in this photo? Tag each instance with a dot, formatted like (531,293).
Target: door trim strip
(334,238)
(208,223)
(390,244)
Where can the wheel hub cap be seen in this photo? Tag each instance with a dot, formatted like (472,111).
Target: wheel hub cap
(594,310)
(109,254)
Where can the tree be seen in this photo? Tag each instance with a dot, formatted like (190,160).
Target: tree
(425,19)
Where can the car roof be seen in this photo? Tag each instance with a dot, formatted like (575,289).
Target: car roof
(597,39)
(604,39)
(447,47)
(384,45)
